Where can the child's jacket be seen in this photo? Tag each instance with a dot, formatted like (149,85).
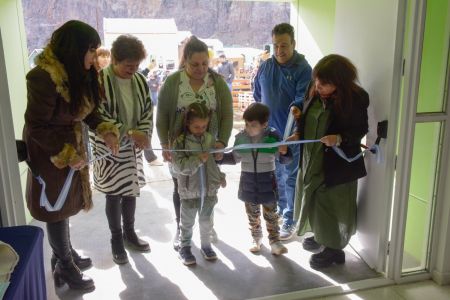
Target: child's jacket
(186,166)
(258,183)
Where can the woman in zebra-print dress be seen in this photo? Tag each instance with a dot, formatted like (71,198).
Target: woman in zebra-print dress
(127,104)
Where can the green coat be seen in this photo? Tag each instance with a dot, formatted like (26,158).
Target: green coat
(328,211)
(167,106)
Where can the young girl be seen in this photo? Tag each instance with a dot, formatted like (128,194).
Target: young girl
(198,178)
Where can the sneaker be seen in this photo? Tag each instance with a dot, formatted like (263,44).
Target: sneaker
(186,256)
(278,248)
(156,162)
(286,232)
(208,253)
(256,245)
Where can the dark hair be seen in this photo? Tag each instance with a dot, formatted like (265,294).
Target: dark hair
(222,56)
(193,45)
(127,46)
(337,70)
(70,43)
(194,110)
(282,29)
(257,112)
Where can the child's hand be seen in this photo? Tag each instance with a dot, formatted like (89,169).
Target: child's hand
(223,182)
(203,156)
(283,149)
(296,112)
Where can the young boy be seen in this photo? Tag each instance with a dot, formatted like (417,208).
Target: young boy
(258,185)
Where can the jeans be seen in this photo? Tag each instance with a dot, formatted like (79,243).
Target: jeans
(189,209)
(286,180)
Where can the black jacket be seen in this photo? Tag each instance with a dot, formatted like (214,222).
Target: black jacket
(352,129)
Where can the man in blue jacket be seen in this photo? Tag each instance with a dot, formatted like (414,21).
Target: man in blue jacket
(281,82)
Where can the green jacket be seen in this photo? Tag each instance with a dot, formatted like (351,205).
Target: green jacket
(167,105)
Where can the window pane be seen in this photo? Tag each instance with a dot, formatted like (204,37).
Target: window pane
(434,57)
(421,195)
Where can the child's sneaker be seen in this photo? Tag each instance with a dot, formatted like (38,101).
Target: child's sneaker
(208,253)
(186,256)
(278,248)
(256,245)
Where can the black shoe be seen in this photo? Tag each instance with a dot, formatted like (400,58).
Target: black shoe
(186,256)
(326,258)
(82,262)
(310,244)
(132,241)
(176,240)
(119,254)
(70,274)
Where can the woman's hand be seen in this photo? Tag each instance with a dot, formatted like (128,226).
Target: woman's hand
(139,138)
(77,163)
(203,156)
(330,140)
(293,137)
(112,142)
(283,149)
(296,112)
(167,156)
(218,145)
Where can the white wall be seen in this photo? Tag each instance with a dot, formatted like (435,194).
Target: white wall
(13,68)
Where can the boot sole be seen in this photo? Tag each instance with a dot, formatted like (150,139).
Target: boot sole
(338,261)
(133,247)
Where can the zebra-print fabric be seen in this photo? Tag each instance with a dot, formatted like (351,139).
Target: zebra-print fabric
(122,174)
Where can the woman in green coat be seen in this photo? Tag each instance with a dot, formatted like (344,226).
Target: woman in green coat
(334,111)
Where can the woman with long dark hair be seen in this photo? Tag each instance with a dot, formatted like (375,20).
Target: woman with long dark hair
(334,111)
(63,96)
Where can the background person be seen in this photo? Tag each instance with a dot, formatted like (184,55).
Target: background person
(226,69)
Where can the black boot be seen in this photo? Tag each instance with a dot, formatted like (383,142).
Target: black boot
(310,244)
(119,254)
(69,273)
(113,214)
(326,258)
(129,235)
(82,262)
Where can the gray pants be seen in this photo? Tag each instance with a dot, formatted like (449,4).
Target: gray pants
(189,210)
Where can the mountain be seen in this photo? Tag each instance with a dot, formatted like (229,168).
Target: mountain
(235,23)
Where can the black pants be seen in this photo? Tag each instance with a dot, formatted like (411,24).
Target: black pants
(117,208)
(176,201)
(59,240)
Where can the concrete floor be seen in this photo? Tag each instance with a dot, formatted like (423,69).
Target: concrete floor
(237,274)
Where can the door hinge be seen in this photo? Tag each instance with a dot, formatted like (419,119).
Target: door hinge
(403,67)
(395,162)
(388,248)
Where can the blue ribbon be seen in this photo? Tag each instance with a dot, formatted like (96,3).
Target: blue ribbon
(64,191)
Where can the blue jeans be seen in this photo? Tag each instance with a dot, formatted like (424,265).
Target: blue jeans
(189,210)
(154,96)
(286,180)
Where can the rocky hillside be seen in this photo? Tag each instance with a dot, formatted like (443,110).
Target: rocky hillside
(236,23)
